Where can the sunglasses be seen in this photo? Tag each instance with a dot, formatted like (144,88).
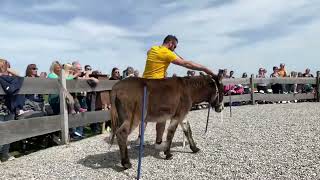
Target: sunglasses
(35,69)
(88,69)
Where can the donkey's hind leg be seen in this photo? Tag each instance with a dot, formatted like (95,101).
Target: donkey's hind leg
(122,137)
(188,133)
(170,134)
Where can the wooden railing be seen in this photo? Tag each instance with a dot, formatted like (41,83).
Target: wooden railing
(16,130)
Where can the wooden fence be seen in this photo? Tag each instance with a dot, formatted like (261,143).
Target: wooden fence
(15,130)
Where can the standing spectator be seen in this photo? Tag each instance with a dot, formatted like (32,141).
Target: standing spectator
(115,74)
(276,88)
(225,73)
(191,73)
(262,87)
(77,69)
(5,114)
(283,73)
(244,75)
(293,87)
(130,72)
(68,69)
(231,74)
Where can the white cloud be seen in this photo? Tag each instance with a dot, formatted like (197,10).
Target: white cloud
(203,33)
(59,6)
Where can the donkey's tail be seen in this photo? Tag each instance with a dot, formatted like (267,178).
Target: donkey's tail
(114,117)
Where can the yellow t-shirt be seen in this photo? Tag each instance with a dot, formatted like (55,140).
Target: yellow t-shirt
(158,60)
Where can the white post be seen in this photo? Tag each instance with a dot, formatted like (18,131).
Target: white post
(63,109)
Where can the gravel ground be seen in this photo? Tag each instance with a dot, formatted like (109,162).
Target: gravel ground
(279,141)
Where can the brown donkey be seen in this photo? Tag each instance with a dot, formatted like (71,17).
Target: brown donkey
(169,98)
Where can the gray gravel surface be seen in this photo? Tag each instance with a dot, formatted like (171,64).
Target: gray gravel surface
(279,141)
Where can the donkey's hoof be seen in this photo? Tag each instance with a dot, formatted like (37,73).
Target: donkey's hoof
(195,149)
(126,164)
(168,156)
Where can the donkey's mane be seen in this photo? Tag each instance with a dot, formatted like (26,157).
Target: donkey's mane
(197,81)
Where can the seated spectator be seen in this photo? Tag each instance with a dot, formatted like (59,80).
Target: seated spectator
(54,101)
(300,87)
(307,73)
(233,89)
(136,73)
(262,87)
(246,87)
(307,88)
(115,74)
(33,102)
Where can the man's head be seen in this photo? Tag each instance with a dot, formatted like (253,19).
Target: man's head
(231,73)
(307,71)
(170,42)
(77,67)
(282,65)
(87,68)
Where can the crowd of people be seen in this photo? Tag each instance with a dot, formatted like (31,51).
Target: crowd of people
(35,105)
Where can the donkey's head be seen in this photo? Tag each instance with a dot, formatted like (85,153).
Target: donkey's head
(216,100)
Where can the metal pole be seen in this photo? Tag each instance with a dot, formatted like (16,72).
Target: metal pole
(207,119)
(142,131)
(230,102)
(318,86)
(252,91)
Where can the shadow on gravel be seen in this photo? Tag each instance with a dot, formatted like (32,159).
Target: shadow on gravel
(111,159)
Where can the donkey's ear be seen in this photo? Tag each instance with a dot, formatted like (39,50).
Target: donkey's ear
(218,78)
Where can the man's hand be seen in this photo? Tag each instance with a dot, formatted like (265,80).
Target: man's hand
(209,72)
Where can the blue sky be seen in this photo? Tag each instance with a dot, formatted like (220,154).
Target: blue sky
(241,35)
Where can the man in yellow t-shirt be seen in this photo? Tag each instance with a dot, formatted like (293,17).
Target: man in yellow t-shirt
(158,60)
(160,57)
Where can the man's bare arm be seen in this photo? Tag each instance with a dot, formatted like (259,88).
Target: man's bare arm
(191,65)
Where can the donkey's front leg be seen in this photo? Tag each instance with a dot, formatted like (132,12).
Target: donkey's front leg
(171,130)
(188,133)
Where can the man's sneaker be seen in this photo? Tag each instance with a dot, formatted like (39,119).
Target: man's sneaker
(78,134)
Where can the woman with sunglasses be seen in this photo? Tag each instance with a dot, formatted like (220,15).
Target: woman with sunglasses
(34,101)
(115,74)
